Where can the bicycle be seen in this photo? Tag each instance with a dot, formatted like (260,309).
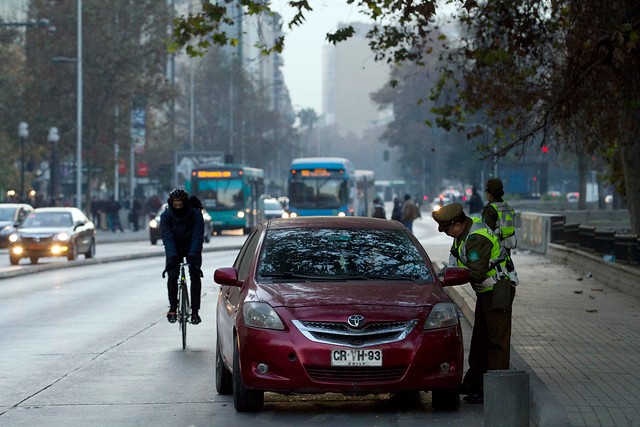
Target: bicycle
(184,308)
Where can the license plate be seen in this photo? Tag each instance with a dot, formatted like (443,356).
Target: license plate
(356,357)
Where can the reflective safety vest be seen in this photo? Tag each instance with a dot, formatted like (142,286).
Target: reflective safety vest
(506,225)
(497,262)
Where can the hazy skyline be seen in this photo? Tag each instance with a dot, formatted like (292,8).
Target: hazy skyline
(304,45)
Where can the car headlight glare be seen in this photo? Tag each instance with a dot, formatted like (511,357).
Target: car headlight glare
(14,238)
(153,223)
(342,214)
(293,215)
(240,214)
(285,215)
(443,315)
(261,315)
(62,237)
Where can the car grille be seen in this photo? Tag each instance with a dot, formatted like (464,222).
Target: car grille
(339,333)
(359,375)
(36,242)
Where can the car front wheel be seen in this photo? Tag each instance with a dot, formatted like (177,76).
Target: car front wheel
(445,400)
(224,380)
(244,400)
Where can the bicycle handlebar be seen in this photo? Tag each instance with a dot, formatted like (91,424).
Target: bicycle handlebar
(185,264)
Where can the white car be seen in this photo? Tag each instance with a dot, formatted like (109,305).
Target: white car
(273,209)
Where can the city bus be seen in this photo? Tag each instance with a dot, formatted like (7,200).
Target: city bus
(322,186)
(231,194)
(366,191)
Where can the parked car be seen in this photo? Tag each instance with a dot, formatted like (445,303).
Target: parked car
(439,202)
(53,232)
(154,226)
(274,209)
(342,304)
(11,215)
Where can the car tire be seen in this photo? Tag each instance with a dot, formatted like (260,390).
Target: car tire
(224,379)
(445,400)
(73,252)
(244,400)
(34,259)
(14,260)
(91,252)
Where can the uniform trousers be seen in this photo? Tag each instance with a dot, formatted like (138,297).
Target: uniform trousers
(490,340)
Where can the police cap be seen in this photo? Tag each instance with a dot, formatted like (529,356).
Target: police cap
(448,214)
(494,187)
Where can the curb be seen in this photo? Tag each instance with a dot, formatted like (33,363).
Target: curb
(92,261)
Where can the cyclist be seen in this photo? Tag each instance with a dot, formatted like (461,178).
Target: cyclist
(182,230)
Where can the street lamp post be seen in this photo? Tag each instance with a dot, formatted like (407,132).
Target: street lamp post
(53,139)
(79,112)
(23,133)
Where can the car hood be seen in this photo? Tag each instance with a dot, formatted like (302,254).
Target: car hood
(44,231)
(314,294)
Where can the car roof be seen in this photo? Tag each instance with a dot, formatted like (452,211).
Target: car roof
(15,205)
(335,222)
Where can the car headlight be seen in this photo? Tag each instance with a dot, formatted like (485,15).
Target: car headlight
(240,214)
(61,237)
(285,215)
(6,229)
(153,223)
(15,237)
(443,315)
(342,214)
(293,215)
(261,315)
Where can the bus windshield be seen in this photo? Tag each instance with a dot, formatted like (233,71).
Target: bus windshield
(325,193)
(221,194)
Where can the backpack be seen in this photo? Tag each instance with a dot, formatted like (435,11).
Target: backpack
(194,202)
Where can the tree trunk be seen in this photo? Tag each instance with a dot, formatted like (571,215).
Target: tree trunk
(582,179)
(630,161)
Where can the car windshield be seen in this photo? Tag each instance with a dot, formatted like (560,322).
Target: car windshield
(272,205)
(335,254)
(48,219)
(6,214)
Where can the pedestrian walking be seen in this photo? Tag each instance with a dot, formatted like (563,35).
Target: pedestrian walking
(113,215)
(378,209)
(475,201)
(476,248)
(396,213)
(410,212)
(134,214)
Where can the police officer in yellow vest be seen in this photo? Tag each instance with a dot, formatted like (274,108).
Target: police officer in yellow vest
(501,218)
(476,248)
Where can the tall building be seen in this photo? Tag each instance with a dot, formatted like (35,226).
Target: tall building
(350,76)
(13,10)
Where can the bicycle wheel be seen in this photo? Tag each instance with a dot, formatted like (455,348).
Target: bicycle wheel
(184,313)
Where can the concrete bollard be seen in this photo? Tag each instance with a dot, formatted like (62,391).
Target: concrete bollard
(506,399)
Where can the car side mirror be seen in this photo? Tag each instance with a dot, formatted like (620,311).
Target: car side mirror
(78,224)
(454,276)
(227,276)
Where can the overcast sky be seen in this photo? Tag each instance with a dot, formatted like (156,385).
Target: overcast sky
(303,48)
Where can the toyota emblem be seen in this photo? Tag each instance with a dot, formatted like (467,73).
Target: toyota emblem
(355,321)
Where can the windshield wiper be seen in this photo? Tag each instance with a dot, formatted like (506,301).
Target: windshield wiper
(292,275)
(360,276)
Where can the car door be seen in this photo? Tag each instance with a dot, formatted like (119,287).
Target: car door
(229,297)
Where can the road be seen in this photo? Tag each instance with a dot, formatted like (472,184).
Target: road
(91,346)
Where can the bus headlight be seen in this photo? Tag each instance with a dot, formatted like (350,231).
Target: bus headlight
(341,214)
(240,214)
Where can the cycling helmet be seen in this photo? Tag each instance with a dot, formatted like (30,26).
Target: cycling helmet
(179,194)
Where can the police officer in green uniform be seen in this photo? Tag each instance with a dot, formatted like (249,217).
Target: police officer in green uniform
(501,218)
(476,248)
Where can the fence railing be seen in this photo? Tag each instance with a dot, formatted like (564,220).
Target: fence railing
(612,245)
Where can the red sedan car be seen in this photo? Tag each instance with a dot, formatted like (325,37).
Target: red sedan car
(336,304)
